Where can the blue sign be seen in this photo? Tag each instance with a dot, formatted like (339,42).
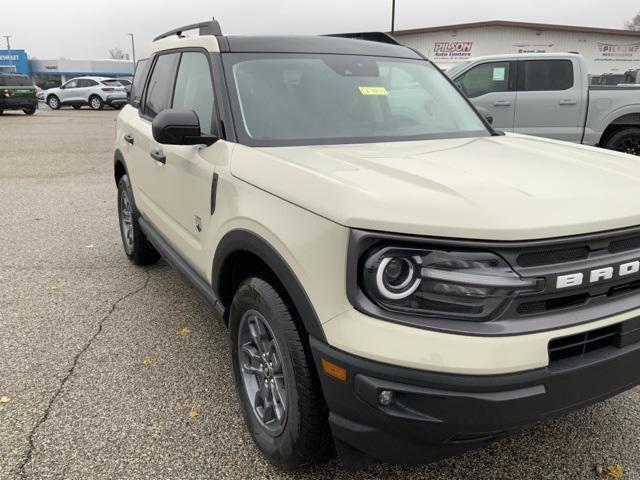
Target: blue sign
(17,62)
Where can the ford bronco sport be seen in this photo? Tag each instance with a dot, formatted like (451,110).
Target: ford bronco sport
(397,278)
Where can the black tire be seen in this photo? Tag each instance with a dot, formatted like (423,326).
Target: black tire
(1,112)
(626,140)
(137,248)
(304,437)
(95,102)
(29,111)
(53,102)
(76,107)
(117,106)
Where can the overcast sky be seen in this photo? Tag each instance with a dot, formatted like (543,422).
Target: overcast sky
(89,28)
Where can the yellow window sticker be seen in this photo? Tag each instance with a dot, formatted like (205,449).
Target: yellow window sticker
(373,91)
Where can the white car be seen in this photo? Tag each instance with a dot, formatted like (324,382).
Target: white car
(92,91)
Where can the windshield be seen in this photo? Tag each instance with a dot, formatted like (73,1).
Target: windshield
(300,99)
(15,81)
(453,71)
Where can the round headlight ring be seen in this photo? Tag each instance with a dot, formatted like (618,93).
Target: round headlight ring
(405,287)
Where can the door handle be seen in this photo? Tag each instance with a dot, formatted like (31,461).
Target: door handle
(129,138)
(568,102)
(502,103)
(158,156)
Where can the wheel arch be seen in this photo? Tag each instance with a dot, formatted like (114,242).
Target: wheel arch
(119,166)
(631,119)
(242,253)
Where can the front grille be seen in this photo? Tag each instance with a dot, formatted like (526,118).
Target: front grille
(549,257)
(576,250)
(575,346)
(624,244)
(530,308)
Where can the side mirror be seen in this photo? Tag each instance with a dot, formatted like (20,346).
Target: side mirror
(61,87)
(179,127)
(488,116)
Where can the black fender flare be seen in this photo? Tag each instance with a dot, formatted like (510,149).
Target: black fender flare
(245,240)
(118,158)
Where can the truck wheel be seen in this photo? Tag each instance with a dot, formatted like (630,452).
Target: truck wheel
(277,386)
(134,241)
(76,107)
(96,103)
(626,140)
(29,111)
(53,102)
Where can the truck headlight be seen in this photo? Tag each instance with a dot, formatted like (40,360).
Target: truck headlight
(447,284)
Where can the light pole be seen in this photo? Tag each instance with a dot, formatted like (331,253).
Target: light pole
(133,49)
(9,50)
(393,16)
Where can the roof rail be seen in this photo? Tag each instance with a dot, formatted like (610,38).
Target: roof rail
(371,36)
(210,27)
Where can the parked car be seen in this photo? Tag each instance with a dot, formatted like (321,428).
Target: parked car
(397,277)
(17,93)
(91,91)
(125,82)
(549,95)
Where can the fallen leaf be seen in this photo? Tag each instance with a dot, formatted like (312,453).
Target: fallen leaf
(615,471)
(193,413)
(5,399)
(89,246)
(55,285)
(147,361)
(183,332)
(601,471)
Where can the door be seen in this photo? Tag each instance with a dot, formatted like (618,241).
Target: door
(549,95)
(185,181)
(491,88)
(69,91)
(85,88)
(146,172)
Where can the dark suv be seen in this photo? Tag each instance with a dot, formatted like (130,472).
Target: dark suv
(17,92)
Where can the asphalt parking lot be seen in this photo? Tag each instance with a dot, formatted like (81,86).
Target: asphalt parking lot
(100,385)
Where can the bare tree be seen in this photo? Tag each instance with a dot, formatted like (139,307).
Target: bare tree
(117,54)
(633,24)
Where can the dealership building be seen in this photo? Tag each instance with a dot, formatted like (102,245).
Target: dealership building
(605,50)
(52,73)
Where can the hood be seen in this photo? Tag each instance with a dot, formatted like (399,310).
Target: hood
(511,187)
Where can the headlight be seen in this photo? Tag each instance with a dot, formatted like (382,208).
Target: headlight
(445,284)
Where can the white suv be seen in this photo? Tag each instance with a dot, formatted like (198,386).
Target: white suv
(396,276)
(96,92)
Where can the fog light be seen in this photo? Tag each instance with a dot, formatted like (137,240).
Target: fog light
(386,398)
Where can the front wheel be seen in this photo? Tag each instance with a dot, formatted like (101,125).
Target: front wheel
(53,102)
(134,241)
(96,103)
(29,111)
(277,385)
(626,140)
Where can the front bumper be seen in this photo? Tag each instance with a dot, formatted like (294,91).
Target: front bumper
(435,415)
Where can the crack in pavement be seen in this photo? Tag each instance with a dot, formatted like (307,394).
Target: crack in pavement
(19,468)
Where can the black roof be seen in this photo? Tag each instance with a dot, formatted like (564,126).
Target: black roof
(313,44)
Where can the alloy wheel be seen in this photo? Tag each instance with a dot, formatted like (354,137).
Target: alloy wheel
(126,221)
(262,371)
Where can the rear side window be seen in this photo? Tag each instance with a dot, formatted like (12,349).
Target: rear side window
(194,88)
(545,75)
(160,87)
(485,78)
(85,83)
(13,81)
(142,69)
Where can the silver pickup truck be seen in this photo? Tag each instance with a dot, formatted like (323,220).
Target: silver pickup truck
(549,95)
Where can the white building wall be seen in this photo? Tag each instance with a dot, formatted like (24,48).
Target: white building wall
(603,52)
